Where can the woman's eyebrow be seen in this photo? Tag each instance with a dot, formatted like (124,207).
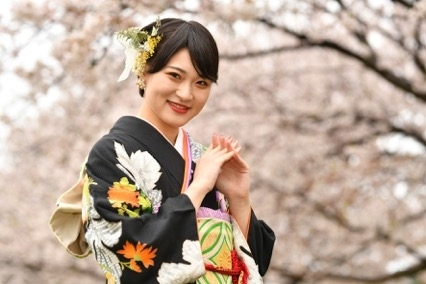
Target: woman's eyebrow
(177,68)
(182,70)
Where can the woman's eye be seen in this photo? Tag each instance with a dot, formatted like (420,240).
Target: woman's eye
(203,83)
(174,75)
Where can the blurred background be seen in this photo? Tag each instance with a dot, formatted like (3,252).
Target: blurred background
(327,97)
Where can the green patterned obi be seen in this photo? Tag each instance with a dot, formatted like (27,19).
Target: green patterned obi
(223,266)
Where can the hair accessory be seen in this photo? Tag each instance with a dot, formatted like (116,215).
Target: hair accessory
(139,46)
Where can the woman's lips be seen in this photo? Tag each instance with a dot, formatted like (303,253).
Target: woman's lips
(178,107)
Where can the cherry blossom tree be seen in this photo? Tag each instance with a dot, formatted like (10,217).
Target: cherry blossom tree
(327,98)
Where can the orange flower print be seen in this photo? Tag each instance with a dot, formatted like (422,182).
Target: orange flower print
(123,192)
(134,266)
(128,199)
(140,252)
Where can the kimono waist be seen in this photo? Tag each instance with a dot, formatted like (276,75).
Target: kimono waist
(217,244)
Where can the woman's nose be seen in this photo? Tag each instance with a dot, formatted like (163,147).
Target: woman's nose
(185,92)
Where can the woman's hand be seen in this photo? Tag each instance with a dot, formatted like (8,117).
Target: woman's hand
(234,178)
(234,182)
(207,172)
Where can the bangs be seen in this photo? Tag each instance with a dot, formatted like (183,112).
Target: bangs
(196,38)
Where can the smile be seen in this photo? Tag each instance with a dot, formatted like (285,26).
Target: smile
(178,107)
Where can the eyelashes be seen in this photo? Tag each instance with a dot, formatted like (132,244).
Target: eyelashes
(177,76)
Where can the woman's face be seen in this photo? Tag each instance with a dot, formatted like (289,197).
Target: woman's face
(175,94)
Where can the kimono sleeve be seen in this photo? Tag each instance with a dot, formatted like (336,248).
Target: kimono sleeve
(261,239)
(137,235)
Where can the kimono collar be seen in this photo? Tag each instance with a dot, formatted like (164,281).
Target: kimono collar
(159,147)
(182,145)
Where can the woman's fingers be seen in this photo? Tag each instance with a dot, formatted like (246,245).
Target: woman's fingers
(229,143)
(233,144)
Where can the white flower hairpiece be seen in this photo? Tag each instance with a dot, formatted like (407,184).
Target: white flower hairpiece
(139,46)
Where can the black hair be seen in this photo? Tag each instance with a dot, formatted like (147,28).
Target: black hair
(177,34)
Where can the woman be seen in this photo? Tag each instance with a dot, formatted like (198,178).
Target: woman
(159,207)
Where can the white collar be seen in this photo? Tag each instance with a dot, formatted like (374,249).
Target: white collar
(179,142)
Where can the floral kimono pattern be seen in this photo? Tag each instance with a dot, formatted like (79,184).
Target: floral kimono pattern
(139,226)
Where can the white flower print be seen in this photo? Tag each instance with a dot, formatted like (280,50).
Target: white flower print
(144,170)
(176,273)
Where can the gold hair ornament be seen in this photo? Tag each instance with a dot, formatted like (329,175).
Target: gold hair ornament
(139,46)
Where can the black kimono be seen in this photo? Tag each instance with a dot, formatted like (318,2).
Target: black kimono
(140,227)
